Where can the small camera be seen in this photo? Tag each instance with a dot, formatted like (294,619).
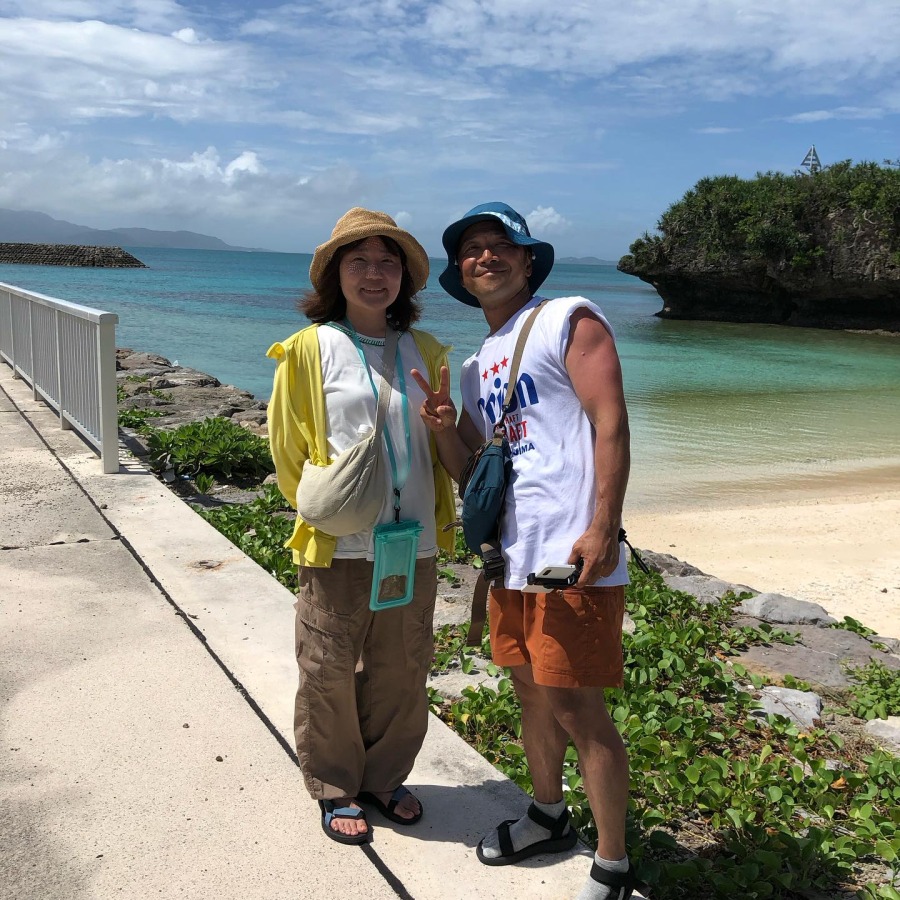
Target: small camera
(554,578)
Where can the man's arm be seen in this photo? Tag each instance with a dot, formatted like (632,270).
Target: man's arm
(593,365)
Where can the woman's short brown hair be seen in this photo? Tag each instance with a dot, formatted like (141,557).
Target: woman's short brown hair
(328,304)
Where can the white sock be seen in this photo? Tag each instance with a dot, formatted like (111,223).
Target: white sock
(524,832)
(593,890)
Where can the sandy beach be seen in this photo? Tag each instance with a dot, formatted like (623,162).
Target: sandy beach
(834,541)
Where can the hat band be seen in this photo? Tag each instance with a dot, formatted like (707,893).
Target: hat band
(510,223)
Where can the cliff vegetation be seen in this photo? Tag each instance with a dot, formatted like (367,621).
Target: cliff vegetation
(820,250)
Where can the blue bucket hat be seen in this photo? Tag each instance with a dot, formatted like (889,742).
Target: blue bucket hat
(516,230)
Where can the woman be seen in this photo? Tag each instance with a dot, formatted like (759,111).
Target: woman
(361,710)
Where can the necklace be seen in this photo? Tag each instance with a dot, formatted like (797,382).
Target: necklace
(372,342)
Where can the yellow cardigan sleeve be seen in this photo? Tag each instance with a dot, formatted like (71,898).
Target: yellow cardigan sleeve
(298,432)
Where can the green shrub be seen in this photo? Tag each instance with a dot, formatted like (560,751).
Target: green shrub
(133,418)
(137,419)
(876,691)
(216,446)
(785,221)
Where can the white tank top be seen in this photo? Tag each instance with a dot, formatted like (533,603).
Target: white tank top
(551,497)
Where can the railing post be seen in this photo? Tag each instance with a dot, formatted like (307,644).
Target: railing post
(12,339)
(34,388)
(106,375)
(60,381)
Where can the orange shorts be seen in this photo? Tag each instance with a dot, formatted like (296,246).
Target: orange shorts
(571,638)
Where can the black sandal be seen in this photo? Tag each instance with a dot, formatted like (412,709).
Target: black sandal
(622,882)
(560,839)
(388,809)
(331,811)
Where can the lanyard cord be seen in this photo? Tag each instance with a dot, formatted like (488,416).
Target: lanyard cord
(398,482)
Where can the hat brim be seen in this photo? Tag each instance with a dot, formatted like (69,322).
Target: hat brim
(450,280)
(416,257)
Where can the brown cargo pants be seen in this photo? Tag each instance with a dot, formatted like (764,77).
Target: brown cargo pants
(361,711)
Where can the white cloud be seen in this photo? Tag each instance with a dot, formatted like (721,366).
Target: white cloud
(248,162)
(841,112)
(545,220)
(403,219)
(201,191)
(186,35)
(420,105)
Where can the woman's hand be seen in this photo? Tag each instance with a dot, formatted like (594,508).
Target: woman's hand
(438,412)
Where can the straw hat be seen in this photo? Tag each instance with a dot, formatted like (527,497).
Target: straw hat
(361,223)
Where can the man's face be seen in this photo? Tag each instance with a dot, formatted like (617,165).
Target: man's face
(492,268)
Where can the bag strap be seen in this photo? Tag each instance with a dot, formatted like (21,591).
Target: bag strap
(512,382)
(479,611)
(388,361)
(391,339)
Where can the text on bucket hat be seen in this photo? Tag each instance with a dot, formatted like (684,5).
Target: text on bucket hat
(516,229)
(357,224)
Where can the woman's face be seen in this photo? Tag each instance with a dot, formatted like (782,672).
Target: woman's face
(370,275)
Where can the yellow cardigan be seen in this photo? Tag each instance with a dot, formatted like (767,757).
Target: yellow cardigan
(298,430)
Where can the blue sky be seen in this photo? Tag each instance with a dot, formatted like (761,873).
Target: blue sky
(261,124)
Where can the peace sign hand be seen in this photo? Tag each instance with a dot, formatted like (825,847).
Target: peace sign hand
(438,411)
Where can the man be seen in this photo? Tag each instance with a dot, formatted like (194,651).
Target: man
(569,440)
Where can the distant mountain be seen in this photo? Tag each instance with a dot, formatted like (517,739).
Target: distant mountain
(29,227)
(586,261)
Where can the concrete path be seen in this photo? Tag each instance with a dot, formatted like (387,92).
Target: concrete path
(146,682)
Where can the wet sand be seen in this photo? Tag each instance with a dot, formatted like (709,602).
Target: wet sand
(833,539)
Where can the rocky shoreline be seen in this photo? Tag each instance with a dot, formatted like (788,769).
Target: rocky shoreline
(179,394)
(820,657)
(750,292)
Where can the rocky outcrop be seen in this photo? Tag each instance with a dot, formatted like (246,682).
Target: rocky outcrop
(68,255)
(820,251)
(177,394)
(859,291)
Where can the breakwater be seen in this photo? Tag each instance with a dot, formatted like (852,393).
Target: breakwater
(69,255)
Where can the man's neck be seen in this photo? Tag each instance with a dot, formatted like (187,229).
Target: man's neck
(498,317)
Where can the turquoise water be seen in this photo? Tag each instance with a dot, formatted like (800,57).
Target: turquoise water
(713,406)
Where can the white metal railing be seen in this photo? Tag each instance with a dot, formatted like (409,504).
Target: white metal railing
(67,353)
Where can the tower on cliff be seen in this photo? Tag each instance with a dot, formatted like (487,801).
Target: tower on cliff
(811,161)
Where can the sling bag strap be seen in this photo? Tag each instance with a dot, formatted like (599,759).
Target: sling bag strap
(512,383)
(490,552)
(391,340)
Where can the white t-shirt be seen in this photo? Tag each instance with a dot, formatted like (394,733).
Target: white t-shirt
(551,496)
(351,407)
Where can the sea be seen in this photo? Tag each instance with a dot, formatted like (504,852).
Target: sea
(720,413)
